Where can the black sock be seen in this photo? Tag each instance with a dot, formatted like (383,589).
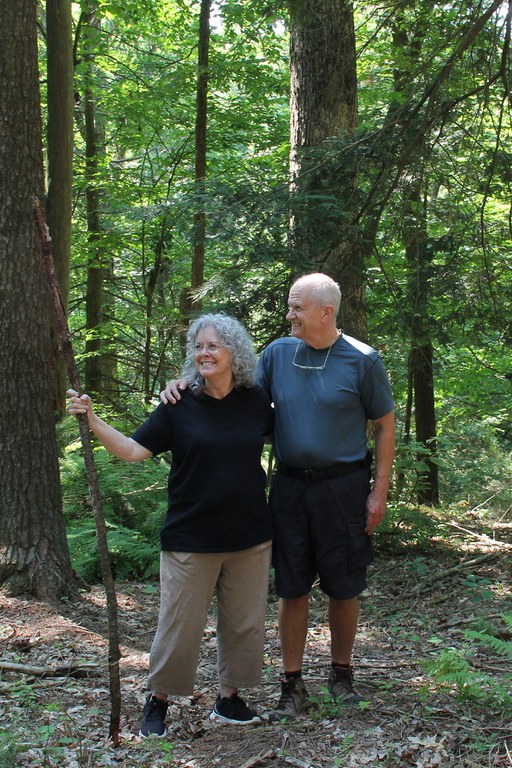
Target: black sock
(293,675)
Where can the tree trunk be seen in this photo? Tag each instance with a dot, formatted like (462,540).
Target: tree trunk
(418,260)
(60,159)
(34,556)
(197,277)
(323,110)
(425,418)
(100,364)
(407,44)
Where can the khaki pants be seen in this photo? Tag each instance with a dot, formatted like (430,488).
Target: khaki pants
(187,584)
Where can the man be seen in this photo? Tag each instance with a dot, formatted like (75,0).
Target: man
(325,387)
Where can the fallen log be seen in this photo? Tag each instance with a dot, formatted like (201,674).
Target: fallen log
(66,670)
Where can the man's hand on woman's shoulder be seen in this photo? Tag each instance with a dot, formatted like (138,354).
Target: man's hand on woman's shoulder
(171,393)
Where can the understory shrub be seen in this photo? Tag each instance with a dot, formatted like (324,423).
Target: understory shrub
(134,500)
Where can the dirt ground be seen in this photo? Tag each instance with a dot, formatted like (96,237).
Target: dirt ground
(417,604)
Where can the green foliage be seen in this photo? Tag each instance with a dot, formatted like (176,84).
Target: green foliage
(131,555)
(325,707)
(154,749)
(478,462)
(9,749)
(455,670)
(486,639)
(141,69)
(406,526)
(134,501)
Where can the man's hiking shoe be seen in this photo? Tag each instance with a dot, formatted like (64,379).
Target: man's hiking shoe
(233,710)
(154,713)
(341,686)
(293,700)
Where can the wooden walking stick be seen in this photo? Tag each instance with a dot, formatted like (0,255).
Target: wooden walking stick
(114,653)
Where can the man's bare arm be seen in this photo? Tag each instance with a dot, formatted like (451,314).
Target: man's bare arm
(384,455)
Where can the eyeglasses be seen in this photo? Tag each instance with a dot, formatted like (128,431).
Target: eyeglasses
(311,367)
(211,348)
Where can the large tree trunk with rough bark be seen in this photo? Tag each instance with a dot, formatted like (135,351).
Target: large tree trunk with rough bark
(34,557)
(324,110)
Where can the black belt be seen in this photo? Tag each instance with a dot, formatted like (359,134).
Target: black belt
(314,475)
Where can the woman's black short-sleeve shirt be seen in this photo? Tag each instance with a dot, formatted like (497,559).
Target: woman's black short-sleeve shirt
(216,486)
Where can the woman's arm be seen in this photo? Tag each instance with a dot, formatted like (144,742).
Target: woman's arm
(114,441)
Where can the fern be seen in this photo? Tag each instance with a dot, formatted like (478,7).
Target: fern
(486,638)
(499,646)
(451,670)
(133,499)
(131,554)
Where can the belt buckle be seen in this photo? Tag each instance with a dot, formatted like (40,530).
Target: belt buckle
(311,475)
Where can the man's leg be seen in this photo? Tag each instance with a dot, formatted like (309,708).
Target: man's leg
(295,572)
(343,617)
(293,629)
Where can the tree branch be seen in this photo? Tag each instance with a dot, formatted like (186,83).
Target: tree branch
(114,653)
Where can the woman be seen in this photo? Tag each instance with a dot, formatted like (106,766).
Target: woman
(217,531)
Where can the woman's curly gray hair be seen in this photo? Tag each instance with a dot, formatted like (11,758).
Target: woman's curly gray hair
(234,338)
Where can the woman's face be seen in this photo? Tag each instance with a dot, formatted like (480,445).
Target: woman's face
(212,359)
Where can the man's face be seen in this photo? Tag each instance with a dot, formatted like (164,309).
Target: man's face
(304,314)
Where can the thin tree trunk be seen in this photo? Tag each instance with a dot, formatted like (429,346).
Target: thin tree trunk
(60,158)
(197,278)
(100,363)
(407,45)
(421,357)
(114,653)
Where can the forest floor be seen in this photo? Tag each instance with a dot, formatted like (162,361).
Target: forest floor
(419,604)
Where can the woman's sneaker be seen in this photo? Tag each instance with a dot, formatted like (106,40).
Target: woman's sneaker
(233,710)
(153,724)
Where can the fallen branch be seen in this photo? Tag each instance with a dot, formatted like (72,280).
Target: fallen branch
(482,536)
(269,754)
(114,653)
(298,762)
(449,624)
(68,670)
(438,576)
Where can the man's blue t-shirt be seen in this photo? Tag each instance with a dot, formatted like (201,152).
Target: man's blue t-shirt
(322,408)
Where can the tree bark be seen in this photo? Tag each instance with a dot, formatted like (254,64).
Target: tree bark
(421,357)
(197,277)
(418,259)
(34,556)
(324,109)
(60,159)
(92,477)
(100,362)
